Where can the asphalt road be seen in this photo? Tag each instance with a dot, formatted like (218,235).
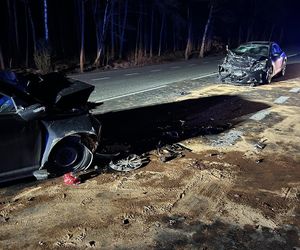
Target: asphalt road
(119,83)
(114,84)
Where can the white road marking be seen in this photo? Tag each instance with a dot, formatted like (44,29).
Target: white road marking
(295,90)
(206,62)
(155,70)
(191,65)
(281,99)
(176,67)
(133,93)
(200,77)
(100,79)
(292,55)
(132,74)
(260,115)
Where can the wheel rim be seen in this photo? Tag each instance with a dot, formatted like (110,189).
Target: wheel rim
(283,69)
(269,75)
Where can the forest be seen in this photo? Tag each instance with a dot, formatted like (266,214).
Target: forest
(46,34)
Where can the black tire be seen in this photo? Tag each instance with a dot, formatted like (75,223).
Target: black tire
(282,72)
(70,155)
(269,75)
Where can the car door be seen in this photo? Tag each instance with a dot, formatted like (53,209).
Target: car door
(20,142)
(277,58)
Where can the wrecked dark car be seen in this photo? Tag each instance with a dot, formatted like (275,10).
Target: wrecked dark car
(45,124)
(253,63)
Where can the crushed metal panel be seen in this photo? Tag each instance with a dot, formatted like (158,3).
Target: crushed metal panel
(60,129)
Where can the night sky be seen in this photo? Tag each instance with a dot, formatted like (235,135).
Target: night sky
(153,28)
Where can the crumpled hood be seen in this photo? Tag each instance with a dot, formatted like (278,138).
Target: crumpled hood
(53,89)
(243,61)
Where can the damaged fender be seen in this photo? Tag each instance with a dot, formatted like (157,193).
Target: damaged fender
(58,130)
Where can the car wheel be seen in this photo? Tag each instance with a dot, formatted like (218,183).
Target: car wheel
(70,155)
(282,73)
(269,75)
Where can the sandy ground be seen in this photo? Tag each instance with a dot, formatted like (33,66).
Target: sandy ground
(225,193)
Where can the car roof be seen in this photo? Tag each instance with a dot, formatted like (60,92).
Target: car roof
(260,43)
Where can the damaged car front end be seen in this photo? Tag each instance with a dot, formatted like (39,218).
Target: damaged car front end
(46,124)
(252,63)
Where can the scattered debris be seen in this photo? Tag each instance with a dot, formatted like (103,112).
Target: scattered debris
(169,152)
(41,174)
(259,161)
(107,156)
(157,224)
(287,193)
(261,145)
(125,221)
(70,179)
(227,139)
(86,201)
(4,218)
(92,243)
(30,199)
(132,162)
(197,164)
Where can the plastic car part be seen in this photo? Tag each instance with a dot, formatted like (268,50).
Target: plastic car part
(130,163)
(42,174)
(169,152)
(70,179)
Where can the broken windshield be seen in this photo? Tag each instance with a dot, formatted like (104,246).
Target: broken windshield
(252,49)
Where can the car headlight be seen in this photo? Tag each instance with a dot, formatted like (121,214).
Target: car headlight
(259,66)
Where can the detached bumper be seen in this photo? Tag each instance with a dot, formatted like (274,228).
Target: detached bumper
(241,76)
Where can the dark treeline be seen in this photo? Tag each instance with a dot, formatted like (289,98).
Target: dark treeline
(39,33)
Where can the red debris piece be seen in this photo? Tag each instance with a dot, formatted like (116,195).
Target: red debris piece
(70,179)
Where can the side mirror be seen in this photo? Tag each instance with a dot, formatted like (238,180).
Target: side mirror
(32,112)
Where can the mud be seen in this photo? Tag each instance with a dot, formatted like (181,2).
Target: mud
(229,195)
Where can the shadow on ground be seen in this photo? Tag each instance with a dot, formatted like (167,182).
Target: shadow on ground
(219,235)
(143,128)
